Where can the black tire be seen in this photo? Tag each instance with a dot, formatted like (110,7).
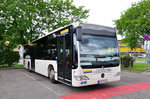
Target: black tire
(29,67)
(52,75)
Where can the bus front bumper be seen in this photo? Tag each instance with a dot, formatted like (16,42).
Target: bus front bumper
(94,82)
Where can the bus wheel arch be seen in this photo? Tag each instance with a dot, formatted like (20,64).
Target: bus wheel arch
(51,73)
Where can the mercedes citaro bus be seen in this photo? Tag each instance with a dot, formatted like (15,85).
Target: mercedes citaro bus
(78,55)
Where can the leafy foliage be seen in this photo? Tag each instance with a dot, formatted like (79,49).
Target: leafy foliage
(2,59)
(22,21)
(25,20)
(9,57)
(126,60)
(134,23)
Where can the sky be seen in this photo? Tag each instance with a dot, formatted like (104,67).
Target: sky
(103,12)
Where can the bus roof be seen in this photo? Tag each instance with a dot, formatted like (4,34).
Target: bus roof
(84,25)
(48,33)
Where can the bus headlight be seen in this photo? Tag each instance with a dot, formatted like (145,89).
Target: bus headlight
(80,78)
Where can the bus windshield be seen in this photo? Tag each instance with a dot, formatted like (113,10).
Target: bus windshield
(98,51)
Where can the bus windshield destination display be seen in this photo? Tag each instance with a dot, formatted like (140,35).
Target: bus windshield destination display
(64,32)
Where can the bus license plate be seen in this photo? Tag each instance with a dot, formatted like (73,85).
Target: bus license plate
(102,81)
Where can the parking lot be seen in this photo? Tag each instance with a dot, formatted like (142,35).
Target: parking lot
(20,84)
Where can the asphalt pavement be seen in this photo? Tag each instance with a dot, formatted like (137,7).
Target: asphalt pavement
(20,84)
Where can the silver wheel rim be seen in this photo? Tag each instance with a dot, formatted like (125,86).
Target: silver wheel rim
(51,74)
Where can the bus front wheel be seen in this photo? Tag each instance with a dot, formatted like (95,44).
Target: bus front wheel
(52,75)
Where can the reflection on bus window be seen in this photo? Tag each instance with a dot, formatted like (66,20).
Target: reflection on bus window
(97,51)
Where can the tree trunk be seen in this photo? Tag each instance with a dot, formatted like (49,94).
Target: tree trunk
(9,65)
(22,38)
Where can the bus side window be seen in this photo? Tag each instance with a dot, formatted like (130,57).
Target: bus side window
(51,47)
(54,55)
(75,52)
(27,57)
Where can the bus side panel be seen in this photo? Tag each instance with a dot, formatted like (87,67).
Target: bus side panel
(54,64)
(41,67)
(26,61)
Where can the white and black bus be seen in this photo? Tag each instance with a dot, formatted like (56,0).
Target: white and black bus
(80,54)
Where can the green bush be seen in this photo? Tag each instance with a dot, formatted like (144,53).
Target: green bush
(2,59)
(9,57)
(127,61)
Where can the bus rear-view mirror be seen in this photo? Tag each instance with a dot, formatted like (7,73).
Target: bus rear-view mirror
(79,33)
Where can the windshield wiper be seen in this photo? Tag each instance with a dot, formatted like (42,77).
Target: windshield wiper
(85,61)
(99,56)
(114,63)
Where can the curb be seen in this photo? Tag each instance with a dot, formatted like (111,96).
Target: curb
(9,68)
(148,71)
(131,71)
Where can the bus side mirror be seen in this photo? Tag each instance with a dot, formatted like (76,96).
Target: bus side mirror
(79,33)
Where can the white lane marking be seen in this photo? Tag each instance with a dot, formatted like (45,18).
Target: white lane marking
(41,84)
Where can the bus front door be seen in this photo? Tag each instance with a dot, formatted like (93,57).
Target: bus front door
(64,59)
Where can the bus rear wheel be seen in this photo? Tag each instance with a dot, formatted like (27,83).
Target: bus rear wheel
(52,75)
(29,67)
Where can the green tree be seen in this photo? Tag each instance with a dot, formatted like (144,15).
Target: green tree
(134,23)
(25,20)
